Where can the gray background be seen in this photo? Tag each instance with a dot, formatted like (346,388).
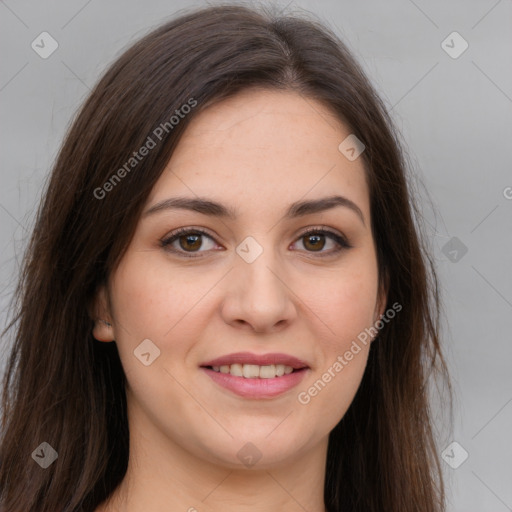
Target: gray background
(454,114)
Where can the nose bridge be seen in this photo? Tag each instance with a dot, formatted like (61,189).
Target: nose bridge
(256,268)
(257,293)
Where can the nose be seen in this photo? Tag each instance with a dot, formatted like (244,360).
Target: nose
(258,297)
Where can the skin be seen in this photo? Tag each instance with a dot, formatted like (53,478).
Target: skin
(257,152)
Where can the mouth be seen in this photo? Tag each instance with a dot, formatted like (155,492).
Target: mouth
(252,376)
(254,371)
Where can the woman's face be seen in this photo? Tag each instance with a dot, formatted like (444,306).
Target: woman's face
(253,284)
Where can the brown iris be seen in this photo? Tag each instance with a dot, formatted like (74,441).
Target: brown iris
(316,241)
(195,240)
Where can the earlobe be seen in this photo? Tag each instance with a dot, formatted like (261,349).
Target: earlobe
(103,329)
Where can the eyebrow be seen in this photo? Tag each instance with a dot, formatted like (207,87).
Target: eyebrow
(208,207)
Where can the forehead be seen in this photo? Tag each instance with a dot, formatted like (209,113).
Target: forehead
(263,144)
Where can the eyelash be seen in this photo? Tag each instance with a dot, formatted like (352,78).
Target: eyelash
(341,241)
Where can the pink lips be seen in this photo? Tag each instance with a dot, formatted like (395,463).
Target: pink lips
(262,360)
(257,388)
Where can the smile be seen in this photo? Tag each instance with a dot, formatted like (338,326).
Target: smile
(254,371)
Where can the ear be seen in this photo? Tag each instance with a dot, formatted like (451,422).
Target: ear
(382,298)
(99,311)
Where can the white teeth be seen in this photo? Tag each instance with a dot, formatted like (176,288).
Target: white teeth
(236,370)
(267,372)
(253,371)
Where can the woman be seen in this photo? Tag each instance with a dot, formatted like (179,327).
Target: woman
(225,303)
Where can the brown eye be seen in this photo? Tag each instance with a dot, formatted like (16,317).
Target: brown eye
(186,240)
(190,242)
(314,242)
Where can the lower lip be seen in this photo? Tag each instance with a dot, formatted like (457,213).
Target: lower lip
(257,388)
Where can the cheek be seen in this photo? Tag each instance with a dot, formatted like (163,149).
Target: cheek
(149,303)
(154,299)
(154,302)
(345,307)
(345,303)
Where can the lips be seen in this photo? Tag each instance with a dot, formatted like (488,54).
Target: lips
(238,373)
(259,360)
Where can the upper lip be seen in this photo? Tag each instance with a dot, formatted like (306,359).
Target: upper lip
(260,360)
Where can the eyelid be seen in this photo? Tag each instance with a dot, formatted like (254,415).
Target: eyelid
(340,240)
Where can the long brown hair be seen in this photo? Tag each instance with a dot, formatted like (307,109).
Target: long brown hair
(64,388)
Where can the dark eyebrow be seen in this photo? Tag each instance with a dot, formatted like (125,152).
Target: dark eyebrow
(301,208)
(297,209)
